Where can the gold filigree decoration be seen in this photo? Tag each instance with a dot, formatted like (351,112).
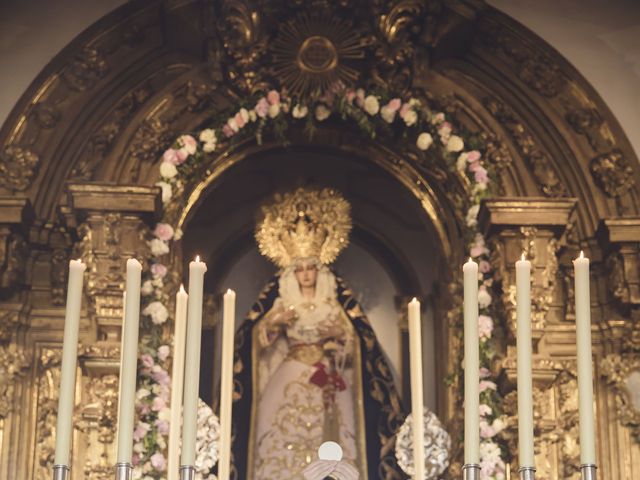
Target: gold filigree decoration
(18,167)
(47,404)
(311,52)
(304,223)
(623,374)
(12,365)
(612,172)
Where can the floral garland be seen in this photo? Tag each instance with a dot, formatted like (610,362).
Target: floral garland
(377,114)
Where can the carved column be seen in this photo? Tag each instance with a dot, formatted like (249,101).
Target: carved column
(112,224)
(535,227)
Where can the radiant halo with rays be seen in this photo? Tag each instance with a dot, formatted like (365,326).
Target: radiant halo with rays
(314,51)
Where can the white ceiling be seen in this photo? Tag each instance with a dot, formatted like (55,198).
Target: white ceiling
(601,38)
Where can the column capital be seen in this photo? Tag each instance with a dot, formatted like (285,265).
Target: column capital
(516,212)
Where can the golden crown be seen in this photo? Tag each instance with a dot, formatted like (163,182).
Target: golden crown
(304,223)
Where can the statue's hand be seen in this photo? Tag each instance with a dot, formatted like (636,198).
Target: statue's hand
(284,317)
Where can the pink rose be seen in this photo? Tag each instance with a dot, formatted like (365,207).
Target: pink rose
(395,104)
(141,430)
(484,266)
(163,231)
(181,155)
(147,360)
(158,270)
(163,352)
(240,121)
(158,404)
(486,430)
(170,156)
(159,462)
(485,410)
(144,410)
(485,326)
(481,175)
(262,107)
(487,385)
(135,459)
(473,156)
(227,131)
(406,108)
(473,167)
(478,250)
(273,97)
(350,95)
(161,376)
(485,372)
(163,427)
(189,144)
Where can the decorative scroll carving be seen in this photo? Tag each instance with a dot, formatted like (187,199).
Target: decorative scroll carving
(9,319)
(588,122)
(623,374)
(46,116)
(47,401)
(13,362)
(87,67)
(97,420)
(616,278)
(149,141)
(58,275)
(539,161)
(18,167)
(567,425)
(17,252)
(537,70)
(612,172)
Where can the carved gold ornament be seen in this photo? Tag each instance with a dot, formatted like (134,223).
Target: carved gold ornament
(623,373)
(304,223)
(312,52)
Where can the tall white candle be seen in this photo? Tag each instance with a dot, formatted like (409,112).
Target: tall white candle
(585,373)
(197,270)
(525,382)
(177,383)
(226,384)
(471,365)
(417,405)
(124,317)
(129,365)
(64,425)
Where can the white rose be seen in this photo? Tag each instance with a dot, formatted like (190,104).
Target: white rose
(141,393)
(147,288)
(157,311)
(252,115)
(244,113)
(424,140)
(455,144)
(168,170)
(299,111)
(472,215)
(208,135)
(371,105)
(410,118)
(387,114)
(167,191)
(274,110)
(158,247)
(322,112)
(461,163)
(138,447)
(208,147)
(484,298)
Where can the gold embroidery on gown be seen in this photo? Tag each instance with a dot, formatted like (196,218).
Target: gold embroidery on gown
(295,415)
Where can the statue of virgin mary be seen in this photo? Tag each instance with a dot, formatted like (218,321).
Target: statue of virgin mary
(308,367)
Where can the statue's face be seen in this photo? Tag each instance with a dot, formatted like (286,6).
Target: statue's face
(306,273)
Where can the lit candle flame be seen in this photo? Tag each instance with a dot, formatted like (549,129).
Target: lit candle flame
(415,300)
(470,259)
(522,257)
(229,290)
(182,290)
(581,254)
(197,258)
(79,260)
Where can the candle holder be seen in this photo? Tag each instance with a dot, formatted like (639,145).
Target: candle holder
(187,472)
(588,471)
(61,472)
(471,471)
(124,471)
(527,473)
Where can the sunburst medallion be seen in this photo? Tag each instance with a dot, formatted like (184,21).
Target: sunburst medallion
(312,52)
